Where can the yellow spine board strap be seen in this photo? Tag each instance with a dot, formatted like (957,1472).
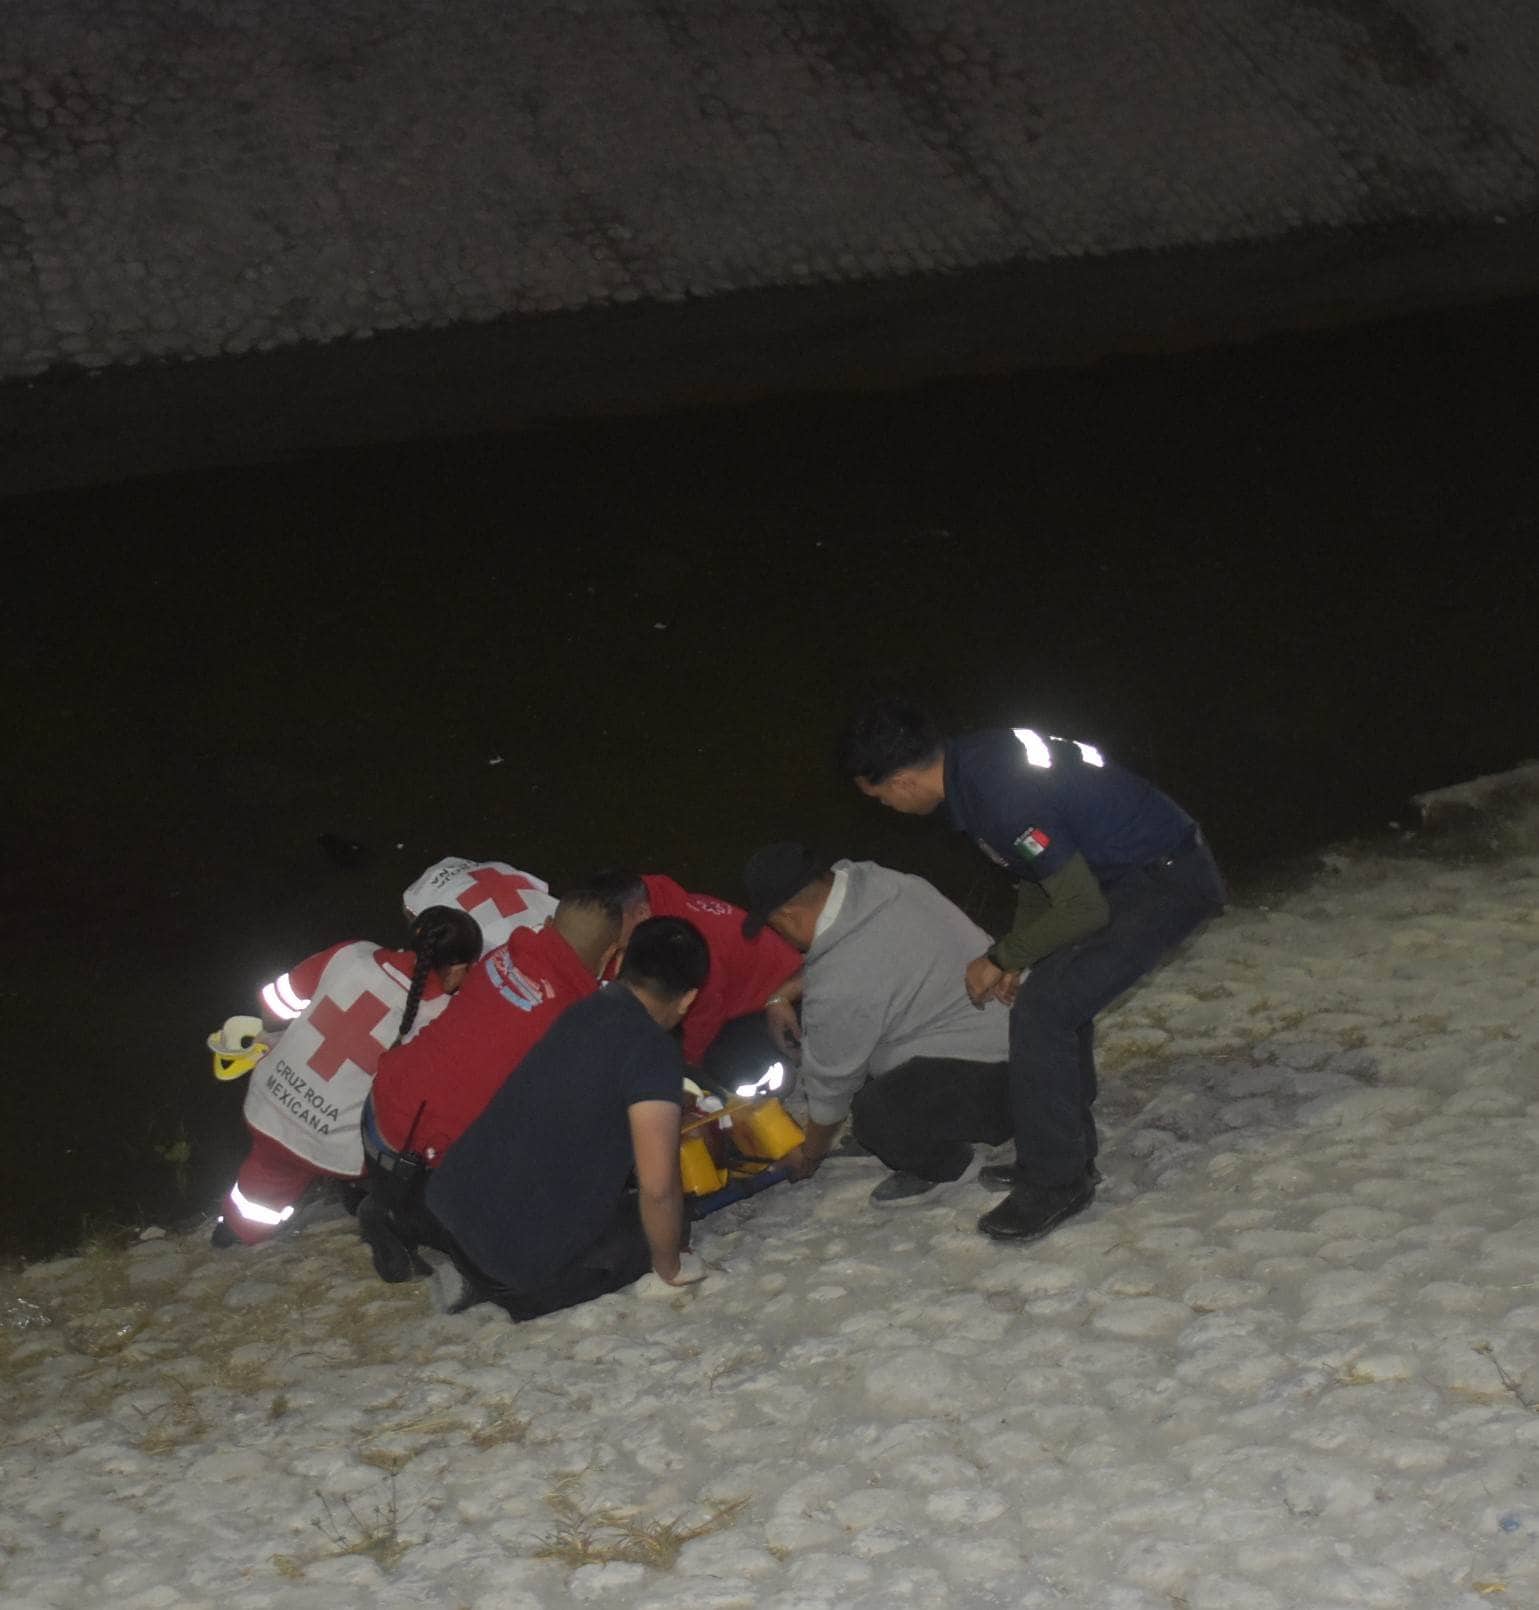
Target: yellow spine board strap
(764,1129)
(697,1169)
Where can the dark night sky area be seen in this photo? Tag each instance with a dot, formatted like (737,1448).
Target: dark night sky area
(1292,582)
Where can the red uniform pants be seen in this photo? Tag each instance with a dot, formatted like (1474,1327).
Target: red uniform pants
(271,1180)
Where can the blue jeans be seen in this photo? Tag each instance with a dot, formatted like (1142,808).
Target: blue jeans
(1052,1024)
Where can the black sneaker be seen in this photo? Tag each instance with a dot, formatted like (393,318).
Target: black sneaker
(900,1188)
(1031,1211)
(1006,1176)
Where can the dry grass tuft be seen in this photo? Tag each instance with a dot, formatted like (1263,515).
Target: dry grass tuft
(501,1426)
(1509,1383)
(1280,1016)
(245,1378)
(745,1358)
(604,1536)
(179,1421)
(1131,1050)
(377,1538)
(104,1239)
(1351,1375)
(391,1460)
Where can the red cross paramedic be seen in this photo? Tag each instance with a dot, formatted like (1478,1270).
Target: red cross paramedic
(745,975)
(427,1092)
(346,1036)
(344,1007)
(498,896)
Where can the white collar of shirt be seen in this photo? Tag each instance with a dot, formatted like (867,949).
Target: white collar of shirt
(831,906)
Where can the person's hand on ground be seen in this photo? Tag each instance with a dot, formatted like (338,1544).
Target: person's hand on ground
(799,1165)
(981,978)
(690,1272)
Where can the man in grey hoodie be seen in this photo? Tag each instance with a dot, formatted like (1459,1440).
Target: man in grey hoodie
(888,1035)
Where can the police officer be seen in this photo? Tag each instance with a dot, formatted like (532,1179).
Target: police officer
(1112,875)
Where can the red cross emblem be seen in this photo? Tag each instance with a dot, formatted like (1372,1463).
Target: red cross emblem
(501,888)
(346,1036)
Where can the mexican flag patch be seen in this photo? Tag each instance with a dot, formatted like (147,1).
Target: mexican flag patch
(1032,843)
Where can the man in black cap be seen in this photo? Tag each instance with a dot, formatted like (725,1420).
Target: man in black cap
(889,1037)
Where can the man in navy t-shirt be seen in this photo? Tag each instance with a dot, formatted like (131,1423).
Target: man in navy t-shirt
(1111,876)
(534,1198)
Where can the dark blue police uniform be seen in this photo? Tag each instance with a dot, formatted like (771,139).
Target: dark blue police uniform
(1031,802)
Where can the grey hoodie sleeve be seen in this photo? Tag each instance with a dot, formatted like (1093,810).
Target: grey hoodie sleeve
(836,1047)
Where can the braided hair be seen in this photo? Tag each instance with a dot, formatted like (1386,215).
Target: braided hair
(441,937)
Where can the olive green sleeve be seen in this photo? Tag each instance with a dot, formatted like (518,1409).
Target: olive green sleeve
(1049,915)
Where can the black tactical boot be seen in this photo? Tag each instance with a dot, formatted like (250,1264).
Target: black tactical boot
(1031,1211)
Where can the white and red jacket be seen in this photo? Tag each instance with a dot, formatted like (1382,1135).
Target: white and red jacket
(499,897)
(307,1093)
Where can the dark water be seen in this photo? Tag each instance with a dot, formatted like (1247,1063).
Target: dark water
(1292,583)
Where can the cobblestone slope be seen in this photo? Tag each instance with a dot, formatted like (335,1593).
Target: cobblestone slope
(226,176)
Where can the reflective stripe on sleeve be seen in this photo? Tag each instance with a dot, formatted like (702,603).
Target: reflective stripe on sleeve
(282,999)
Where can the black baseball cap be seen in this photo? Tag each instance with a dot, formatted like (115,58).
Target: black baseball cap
(774,875)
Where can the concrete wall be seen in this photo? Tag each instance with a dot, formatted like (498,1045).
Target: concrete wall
(189,178)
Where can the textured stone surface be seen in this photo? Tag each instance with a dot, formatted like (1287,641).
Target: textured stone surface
(1197,1393)
(230,176)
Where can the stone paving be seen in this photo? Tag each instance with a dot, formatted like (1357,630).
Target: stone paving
(1289,1360)
(229,176)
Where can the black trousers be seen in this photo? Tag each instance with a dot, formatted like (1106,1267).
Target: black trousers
(1052,1024)
(617,1257)
(924,1116)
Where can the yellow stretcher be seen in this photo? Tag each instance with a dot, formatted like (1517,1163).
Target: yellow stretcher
(728,1150)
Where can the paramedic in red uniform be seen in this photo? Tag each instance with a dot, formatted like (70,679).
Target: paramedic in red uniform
(426,1094)
(343,1007)
(746,976)
(498,896)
